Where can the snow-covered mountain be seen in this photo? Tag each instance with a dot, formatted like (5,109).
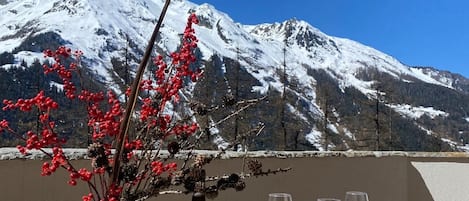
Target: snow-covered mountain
(329,80)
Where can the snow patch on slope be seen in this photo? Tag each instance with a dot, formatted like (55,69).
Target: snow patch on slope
(417,112)
(30,57)
(314,137)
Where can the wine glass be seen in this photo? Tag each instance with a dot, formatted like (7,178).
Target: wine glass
(328,199)
(356,196)
(279,197)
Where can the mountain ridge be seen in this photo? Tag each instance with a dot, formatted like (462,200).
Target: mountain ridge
(310,58)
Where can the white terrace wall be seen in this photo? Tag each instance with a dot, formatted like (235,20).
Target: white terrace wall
(386,176)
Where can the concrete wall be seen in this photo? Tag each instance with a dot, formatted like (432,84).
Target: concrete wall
(388,178)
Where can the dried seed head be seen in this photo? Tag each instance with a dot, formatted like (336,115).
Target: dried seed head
(233,178)
(255,166)
(173,148)
(97,152)
(199,108)
(229,100)
(202,111)
(95,149)
(221,183)
(240,185)
(128,173)
(100,161)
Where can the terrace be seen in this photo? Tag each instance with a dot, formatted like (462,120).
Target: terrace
(385,176)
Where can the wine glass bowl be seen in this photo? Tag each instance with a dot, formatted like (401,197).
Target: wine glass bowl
(280,197)
(356,196)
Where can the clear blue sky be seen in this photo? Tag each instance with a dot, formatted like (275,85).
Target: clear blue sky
(416,32)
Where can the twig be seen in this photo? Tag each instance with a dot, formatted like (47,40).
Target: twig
(269,171)
(170,192)
(232,114)
(250,103)
(255,100)
(250,175)
(133,97)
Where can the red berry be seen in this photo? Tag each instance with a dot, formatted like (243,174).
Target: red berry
(72,182)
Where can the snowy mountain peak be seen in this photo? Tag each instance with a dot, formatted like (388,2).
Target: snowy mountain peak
(71,7)
(102,29)
(293,30)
